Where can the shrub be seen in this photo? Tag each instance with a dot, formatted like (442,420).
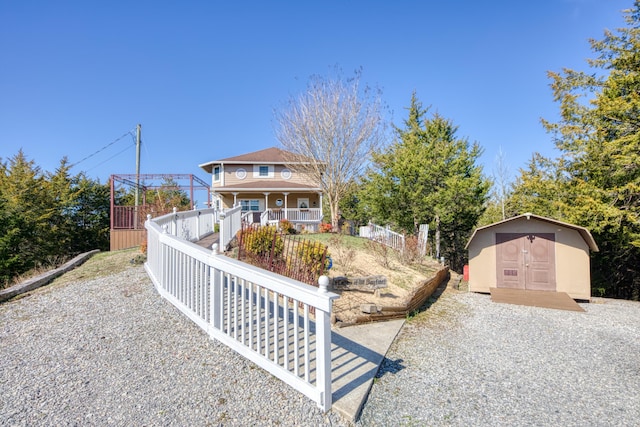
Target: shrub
(343,254)
(411,252)
(325,227)
(260,241)
(314,256)
(381,252)
(143,247)
(287,227)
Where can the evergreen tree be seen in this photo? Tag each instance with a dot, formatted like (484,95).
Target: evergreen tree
(428,175)
(596,181)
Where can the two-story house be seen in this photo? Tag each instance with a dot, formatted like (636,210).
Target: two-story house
(266,185)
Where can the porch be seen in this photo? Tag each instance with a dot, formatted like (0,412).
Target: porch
(302,219)
(302,208)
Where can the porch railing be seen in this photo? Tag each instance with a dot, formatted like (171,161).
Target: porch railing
(189,225)
(294,215)
(264,317)
(230,224)
(383,235)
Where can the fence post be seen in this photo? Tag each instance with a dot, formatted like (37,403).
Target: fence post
(216,289)
(223,229)
(323,351)
(174,222)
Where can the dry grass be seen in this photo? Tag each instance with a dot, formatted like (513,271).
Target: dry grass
(353,256)
(100,265)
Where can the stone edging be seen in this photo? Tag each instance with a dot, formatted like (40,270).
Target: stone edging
(43,279)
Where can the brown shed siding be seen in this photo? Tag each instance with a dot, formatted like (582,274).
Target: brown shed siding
(526,261)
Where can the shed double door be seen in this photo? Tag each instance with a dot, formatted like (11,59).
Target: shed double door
(526,261)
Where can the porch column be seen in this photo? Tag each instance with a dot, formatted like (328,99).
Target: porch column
(266,201)
(235,198)
(285,205)
(320,194)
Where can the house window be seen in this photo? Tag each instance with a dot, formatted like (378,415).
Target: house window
(263,171)
(216,174)
(250,205)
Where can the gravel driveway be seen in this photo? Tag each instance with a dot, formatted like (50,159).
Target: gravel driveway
(468,361)
(110,351)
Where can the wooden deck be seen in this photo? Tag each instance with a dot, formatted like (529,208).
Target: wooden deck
(547,299)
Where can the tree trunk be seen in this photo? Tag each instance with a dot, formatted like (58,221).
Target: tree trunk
(437,236)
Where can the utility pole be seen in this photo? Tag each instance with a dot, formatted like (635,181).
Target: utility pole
(137,201)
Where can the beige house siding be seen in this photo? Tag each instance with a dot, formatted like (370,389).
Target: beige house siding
(572,262)
(231,177)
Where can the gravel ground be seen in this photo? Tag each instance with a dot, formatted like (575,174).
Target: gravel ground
(111,351)
(467,361)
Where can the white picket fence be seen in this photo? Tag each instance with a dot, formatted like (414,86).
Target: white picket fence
(383,235)
(280,324)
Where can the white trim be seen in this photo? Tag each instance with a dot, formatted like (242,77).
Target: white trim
(270,173)
(241,173)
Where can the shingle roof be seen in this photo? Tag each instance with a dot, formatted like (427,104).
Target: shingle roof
(586,235)
(272,155)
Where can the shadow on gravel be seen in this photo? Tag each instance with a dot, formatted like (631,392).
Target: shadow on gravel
(390,366)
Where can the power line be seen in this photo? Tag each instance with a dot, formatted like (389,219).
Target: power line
(115,155)
(102,149)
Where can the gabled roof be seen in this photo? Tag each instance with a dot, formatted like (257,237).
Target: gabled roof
(272,156)
(586,235)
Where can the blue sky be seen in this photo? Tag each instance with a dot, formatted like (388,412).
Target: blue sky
(203,77)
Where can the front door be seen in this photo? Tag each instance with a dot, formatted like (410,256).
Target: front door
(526,261)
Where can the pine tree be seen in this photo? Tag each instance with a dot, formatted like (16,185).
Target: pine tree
(596,181)
(428,175)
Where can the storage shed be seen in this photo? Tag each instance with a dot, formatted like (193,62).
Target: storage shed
(531,252)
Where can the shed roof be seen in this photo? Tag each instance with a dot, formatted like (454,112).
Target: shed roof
(584,233)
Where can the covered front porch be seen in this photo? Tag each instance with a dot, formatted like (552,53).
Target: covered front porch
(302,209)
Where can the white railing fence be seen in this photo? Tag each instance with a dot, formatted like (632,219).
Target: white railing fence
(230,224)
(383,235)
(189,225)
(278,323)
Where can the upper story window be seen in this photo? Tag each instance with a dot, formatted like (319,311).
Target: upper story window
(216,174)
(263,171)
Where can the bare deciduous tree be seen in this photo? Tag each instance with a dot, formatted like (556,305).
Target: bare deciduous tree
(330,131)
(501,180)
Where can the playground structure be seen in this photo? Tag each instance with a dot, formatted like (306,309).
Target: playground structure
(127,222)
